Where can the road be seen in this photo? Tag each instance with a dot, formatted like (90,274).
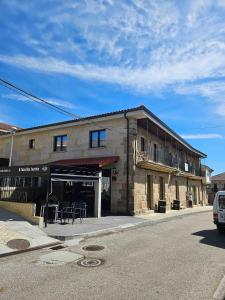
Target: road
(181,258)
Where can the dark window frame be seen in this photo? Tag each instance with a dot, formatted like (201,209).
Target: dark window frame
(155,153)
(99,142)
(61,147)
(143,144)
(31,143)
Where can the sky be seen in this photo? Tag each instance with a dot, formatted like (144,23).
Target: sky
(97,56)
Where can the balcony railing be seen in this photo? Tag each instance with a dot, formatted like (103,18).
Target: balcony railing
(167,159)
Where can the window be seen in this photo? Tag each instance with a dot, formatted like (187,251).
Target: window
(155,153)
(97,138)
(60,143)
(222,202)
(215,188)
(31,143)
(142,144)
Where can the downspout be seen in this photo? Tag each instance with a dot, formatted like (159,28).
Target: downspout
(127,165)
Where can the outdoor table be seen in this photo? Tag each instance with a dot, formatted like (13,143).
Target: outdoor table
(53,206)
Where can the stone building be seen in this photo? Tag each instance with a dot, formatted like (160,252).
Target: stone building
(217,184)
(141,159)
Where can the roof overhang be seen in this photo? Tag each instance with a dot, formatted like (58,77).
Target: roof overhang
(88,161)
(148,165)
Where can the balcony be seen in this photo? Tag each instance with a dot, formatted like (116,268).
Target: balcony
(165,161)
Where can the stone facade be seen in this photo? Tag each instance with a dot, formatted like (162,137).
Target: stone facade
(144,181)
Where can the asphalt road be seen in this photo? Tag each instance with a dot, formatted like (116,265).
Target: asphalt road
(182,258)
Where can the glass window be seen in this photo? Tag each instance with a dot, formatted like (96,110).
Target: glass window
(97,138)
(142,144)
(222,202)
(155,153)
(31,143)
(60,143)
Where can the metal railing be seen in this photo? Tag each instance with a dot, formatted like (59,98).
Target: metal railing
(165,158)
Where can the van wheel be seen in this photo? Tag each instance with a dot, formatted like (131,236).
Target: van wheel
(220,229)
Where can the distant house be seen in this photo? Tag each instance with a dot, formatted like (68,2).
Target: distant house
(5,128)
(217,184)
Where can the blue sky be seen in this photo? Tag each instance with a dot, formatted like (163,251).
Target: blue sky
(91,57)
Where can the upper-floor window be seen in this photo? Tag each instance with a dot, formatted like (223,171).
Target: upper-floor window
(60,143)
(155,150)
(142,144)
(31,143)
(97,138)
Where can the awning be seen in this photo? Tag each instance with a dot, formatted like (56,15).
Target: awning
(88,161)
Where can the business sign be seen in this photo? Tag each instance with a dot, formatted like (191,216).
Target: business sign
(38,170)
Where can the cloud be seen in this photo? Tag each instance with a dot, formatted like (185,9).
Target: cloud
(211,90)
(53,101)
(141,45)
(201,136)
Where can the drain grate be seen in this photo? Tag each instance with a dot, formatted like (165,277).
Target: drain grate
(90,262)
(18,244)
(93,248)
(58,247)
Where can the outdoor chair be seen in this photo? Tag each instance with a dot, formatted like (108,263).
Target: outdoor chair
(82,206)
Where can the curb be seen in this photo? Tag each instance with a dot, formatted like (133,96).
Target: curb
(29,249)
(121,228)
(220,291)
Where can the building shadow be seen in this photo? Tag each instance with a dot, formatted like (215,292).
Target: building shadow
(211,238)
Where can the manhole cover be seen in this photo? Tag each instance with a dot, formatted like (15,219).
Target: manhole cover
(19,244)
(93,248)
(90,262)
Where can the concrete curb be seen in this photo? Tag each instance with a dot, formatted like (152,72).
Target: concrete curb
(29,249)
(123,227)
(220,291)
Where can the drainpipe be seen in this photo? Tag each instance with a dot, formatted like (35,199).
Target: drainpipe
(127,166)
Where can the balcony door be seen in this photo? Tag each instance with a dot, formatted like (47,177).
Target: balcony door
(150,203)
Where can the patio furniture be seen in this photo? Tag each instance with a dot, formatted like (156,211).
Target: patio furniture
(82,206)
(53,207)
(70,212)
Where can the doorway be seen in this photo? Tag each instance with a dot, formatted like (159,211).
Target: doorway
(150,192)
(106,192)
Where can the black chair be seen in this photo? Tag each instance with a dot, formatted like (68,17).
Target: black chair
(68,213)
(82,207)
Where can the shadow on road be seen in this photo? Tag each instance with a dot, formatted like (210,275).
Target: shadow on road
(211,237)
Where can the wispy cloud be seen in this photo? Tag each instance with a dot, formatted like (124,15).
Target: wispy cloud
(212,90)
(53,101)
(201,136)
(143,45)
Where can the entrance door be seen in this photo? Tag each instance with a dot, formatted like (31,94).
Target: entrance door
(150,192)
(106,192)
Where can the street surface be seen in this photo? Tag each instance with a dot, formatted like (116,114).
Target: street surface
(180,258)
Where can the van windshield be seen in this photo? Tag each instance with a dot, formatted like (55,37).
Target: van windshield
(222,201)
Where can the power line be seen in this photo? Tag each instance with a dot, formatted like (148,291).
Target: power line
(39,100)
(36,99)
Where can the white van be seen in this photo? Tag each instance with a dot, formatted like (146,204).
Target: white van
(219,211)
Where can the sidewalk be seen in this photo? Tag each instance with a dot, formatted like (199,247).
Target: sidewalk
(93,226)
(13,226)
